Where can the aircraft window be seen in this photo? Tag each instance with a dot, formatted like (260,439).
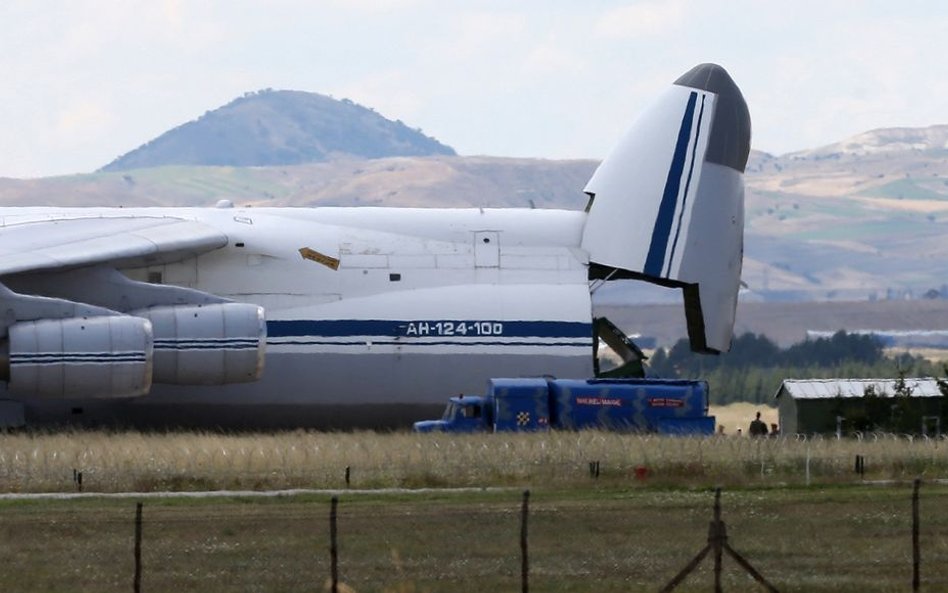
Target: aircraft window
(486,239)
(240,244)
(394,277)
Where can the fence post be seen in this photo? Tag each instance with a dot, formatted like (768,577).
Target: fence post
(525,558)
(717,535)
(333,548)
(916,552)
(593,469)
(808,463)
(137,581)
(717,543)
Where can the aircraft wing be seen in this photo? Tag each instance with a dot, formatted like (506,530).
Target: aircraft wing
(62,244)
(76,327)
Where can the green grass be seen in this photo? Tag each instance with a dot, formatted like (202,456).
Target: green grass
(878,230)
(200,185)
(910,189)
(614,533)
(839,538)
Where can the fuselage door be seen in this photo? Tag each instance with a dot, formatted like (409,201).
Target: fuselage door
(487,249)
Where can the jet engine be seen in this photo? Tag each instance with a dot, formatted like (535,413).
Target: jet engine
(199,338)
(75,357)
(211,344)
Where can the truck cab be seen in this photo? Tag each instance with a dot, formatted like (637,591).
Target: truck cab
(510,405)
(465,413)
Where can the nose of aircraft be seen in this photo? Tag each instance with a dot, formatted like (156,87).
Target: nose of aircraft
(730,136)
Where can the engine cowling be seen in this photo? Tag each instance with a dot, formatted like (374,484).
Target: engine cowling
(211,344)
(79,357)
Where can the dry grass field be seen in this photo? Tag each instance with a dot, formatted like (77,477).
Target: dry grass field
(623,531)
(739,415)
(144,462)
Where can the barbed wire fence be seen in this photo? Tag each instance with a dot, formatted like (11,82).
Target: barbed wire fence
(485,540)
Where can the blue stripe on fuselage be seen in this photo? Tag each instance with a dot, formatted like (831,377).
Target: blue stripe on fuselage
(496,342)
(382,327)
(666,211)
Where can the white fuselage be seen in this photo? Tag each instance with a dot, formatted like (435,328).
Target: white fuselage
(393,307)
(373,315)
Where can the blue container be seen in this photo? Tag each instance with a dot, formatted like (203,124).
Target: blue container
(520,404)
(685,427)
(646,405)
(626,404)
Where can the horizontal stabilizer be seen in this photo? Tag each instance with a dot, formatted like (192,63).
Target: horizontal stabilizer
(667,204)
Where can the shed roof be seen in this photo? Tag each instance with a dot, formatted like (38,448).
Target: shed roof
(830,388)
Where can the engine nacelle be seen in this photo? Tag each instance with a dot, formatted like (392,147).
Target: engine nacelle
(211,344)
(79,357)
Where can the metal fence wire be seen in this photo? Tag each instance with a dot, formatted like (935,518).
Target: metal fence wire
(801,539)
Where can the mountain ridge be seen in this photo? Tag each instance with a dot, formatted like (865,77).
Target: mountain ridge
(860,219)
(280,127)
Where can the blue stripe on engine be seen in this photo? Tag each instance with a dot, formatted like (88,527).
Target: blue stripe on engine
(666,211)
(211,347)
(209,344)
(206,340)
(74,358)
(684,196)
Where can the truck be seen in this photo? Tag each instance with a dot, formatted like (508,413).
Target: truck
(676,407)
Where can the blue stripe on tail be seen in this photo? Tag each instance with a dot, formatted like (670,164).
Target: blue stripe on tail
(684,196)
(666,211)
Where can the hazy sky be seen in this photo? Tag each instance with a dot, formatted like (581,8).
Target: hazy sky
(84,81)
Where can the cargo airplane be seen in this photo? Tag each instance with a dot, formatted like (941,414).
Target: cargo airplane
(338,317)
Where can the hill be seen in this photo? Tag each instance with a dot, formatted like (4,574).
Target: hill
(860,219)
(440,181)
(270,128)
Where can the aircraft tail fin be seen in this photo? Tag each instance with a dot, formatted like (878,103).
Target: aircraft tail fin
(667,204)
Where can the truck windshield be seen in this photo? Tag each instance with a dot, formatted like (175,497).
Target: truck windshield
(456,410)
(450,412)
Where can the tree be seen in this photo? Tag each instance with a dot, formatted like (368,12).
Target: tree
(755,367)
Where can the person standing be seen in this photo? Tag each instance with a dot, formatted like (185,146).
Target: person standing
(757,428)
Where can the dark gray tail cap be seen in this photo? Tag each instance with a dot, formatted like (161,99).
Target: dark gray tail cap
(731,131)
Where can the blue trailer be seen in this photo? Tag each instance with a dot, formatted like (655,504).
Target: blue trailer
(642,405)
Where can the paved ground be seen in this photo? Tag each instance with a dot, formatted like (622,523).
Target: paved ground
(237,493)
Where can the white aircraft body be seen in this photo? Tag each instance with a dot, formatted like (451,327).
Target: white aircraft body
(332,317)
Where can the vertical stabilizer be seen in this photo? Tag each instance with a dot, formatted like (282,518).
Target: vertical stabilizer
(667,204)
